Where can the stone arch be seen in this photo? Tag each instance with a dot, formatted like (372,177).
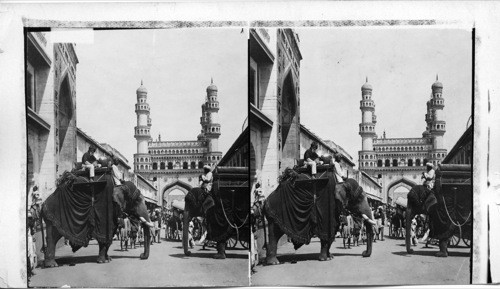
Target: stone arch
(400,186)
(289,107)
(175,187)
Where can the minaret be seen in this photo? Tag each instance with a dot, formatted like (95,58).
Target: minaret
(142,159)
(210,127)
(367,127)
(437,126)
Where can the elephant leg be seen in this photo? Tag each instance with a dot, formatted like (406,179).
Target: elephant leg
(221,250)
(328,246)
(323,254)
(102,253)
(50,252)
(147,240)
(443,248)
(106,249)
(275,234)
(369,239)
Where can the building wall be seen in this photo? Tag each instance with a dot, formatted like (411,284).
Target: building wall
(51,149)
(275,55)
(370,185)
(288,97)
(461,153)
(148,190)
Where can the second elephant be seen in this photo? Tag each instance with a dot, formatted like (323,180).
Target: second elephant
(302,208)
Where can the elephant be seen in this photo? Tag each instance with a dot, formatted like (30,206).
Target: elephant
(221,218)
(300,202)
(421,200)
(80,210)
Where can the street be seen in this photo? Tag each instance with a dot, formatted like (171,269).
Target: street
(389,264)
(166,266)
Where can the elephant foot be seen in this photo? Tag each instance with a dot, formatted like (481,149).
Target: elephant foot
(101,260)
(108,259)
(366,254)
(441,254)
(409,251)
(325,258)
(272,261)
(219,256)
(144,256)
(50,263)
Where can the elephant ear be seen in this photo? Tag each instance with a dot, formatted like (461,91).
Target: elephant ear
(208,203)
(430,201)
(119,198)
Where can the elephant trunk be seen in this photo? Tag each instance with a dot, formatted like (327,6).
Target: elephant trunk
(409,216)
(368,219)
(185,230)
(147,240)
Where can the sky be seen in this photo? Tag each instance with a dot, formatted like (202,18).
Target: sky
(176,66)
(401,65)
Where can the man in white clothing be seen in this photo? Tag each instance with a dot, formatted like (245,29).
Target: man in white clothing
(429,176)
(339,176)
(206,179)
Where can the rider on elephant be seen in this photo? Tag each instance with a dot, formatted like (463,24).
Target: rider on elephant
(339,176)
(429,176)
(89,162)
(311,158)
(206,179)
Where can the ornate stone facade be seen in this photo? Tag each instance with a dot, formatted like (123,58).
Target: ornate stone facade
(176,165)
(399,162)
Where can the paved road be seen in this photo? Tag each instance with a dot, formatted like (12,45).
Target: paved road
(166,266)
(388,265)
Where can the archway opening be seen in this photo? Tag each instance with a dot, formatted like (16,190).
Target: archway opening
(289,129)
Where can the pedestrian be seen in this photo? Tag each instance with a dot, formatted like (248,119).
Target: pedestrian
(33,219)
(158,231)
(379,219)
(413,233)
(311,158)
(375,227)
(190,235)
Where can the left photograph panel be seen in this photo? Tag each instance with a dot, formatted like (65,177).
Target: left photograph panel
(137,157)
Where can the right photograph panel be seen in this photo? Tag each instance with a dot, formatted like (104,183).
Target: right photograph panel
(360,155)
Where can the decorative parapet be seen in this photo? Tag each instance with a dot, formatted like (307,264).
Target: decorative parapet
(180,144)
(405,141)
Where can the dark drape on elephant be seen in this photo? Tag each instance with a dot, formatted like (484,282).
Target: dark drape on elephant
(229,216)
(304,208)
(78,214)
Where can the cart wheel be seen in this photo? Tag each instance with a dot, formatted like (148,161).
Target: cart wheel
(467,242)
(453,241)
(244,244)
(231,243)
